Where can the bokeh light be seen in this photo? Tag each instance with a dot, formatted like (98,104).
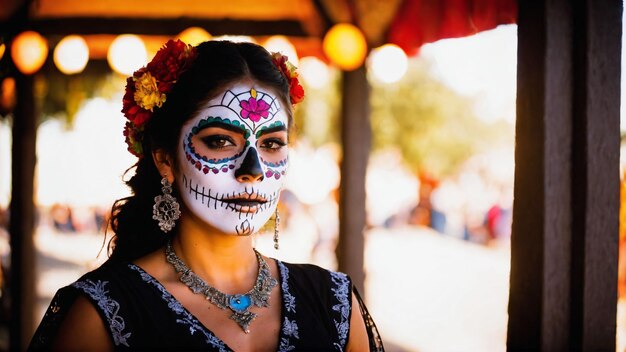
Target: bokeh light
(280,44)
(194,35)
(345,46)
(388,63)
(71,54)
(7,93)
(2,49)
(236,38)
(127,54)
(29,51)
(314,72)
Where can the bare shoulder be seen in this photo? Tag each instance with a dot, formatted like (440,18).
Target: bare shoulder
(154,264)
(82,329)
(357,340)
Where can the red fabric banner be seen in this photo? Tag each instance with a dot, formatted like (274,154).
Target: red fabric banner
(418,22)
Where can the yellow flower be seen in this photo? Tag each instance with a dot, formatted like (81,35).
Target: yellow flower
(147,93)
(292,69)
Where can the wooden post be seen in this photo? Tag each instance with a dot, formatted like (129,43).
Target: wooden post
(355,140)
(22,216)
(563,293)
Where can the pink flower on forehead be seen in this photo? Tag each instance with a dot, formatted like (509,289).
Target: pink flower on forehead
(254,109)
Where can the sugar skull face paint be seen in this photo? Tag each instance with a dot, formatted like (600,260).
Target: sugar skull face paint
(233,157)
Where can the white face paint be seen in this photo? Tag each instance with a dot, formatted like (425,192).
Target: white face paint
(233,157)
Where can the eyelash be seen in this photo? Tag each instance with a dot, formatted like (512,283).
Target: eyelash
(276,141)
(211,141)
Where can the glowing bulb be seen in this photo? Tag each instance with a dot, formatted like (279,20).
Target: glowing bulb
(71,54)
(7,93)
(29,51)
(236,38)
(345,46)
(314,72)
(2,48)
(194,36)
(388,63)
(127,54)
(280,44)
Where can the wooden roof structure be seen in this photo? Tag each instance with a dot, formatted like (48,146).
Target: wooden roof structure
(303,21)
(564,243)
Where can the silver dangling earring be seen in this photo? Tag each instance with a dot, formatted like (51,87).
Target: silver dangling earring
(276,223)
(166,209)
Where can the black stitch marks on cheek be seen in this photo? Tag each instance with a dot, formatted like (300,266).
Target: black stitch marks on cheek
(199,192)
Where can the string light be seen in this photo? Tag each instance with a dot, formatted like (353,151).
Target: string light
(127,54)
(71,54)
(314,72)
(280,44)
(388,63)
(345,45)
(194,36)
(29,51)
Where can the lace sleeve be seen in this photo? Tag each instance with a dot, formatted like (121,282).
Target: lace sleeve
(46,332)
(376,343)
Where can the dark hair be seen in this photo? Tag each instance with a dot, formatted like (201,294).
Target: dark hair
(217,64)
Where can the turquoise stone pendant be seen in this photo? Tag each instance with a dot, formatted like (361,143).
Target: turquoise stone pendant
(240,303)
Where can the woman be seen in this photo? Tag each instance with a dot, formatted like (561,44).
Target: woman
(210,126)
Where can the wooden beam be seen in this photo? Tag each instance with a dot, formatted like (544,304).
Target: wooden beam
(356,138)
(240,9)
(22,216)
(325,18)
(565,222)
(597,69)
(171,27)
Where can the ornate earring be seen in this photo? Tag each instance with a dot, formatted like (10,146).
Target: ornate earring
(166,209)
(276,223)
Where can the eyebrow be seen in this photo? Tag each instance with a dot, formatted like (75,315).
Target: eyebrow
(271,130)
(226,126)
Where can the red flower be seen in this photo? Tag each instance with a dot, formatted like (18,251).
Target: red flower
(296,92)
(169,62)
(134,136)
(133,112)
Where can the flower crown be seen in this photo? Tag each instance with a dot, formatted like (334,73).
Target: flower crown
(148,87)
(296,92)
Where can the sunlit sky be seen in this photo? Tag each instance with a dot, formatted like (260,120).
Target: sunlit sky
(462,64)
(482,66)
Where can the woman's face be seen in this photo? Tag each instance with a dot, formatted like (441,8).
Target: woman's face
(233,157)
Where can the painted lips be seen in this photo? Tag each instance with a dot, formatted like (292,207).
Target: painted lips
(245,203)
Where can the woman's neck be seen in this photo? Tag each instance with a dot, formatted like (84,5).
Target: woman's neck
(225,261)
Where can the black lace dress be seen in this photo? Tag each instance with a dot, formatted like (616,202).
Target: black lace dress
(142,315)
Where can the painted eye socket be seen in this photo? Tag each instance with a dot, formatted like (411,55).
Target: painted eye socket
(273,144)
(218,142)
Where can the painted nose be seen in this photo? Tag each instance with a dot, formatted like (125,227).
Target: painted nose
(250,169)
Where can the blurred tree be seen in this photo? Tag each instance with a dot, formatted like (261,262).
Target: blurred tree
(434,128)
(61,96)
(317,117)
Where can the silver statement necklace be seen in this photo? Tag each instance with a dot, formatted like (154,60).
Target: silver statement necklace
(239,304)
